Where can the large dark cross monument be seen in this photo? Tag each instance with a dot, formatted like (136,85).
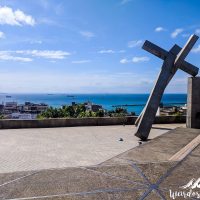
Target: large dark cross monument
(173,60)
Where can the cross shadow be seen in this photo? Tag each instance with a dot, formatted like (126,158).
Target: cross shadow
(168,129)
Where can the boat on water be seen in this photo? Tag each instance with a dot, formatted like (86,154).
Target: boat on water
(70,96)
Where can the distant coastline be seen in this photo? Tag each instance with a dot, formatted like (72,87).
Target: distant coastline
(106,100)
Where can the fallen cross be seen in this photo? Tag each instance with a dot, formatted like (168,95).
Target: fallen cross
(173,60)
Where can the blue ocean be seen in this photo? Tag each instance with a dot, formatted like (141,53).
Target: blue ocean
(132,102)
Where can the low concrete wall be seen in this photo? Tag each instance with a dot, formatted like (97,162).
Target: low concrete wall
(170,119)
(99,121)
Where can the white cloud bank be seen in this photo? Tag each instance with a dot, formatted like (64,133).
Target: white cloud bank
(176,32)
(47,54)
(135,59)
(134,43)
(15,18)
(4,55)
(110,51)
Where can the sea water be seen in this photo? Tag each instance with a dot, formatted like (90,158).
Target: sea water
(106,100)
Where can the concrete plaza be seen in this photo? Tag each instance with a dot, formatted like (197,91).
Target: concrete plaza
(45,148)
(47,164)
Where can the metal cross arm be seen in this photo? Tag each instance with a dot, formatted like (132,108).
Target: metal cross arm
(162,53)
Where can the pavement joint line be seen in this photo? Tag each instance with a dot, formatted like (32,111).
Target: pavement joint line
(159,192)
(17,179)
(146,193)
(159,181)
(163,177)
(113,190)
(139,171)
(115,177)
(169,171)
(151,186)
(147,180)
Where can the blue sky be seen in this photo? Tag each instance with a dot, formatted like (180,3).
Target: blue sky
(91,46)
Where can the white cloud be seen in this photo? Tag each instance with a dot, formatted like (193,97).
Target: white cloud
(87,34)
(124,61)
(176,32)
(159,29)
(81,61)
(50,54)
(106,51)
(45,53)
(135,59)
(17,17)
(125,1)
(5,55)
(140,59)
(2,35)
(134,43)
(110,51)
(196,50)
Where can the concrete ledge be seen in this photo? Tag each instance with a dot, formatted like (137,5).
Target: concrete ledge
(170,119)
(69,122)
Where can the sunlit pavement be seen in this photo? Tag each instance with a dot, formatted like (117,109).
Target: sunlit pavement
(45,148)
(143,172)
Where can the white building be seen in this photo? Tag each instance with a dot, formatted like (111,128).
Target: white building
(23,116)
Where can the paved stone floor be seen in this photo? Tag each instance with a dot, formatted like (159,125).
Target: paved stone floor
(143,172)
(44,148)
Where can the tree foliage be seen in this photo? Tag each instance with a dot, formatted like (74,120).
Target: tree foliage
(118,112)
(75,111)
(80,111)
